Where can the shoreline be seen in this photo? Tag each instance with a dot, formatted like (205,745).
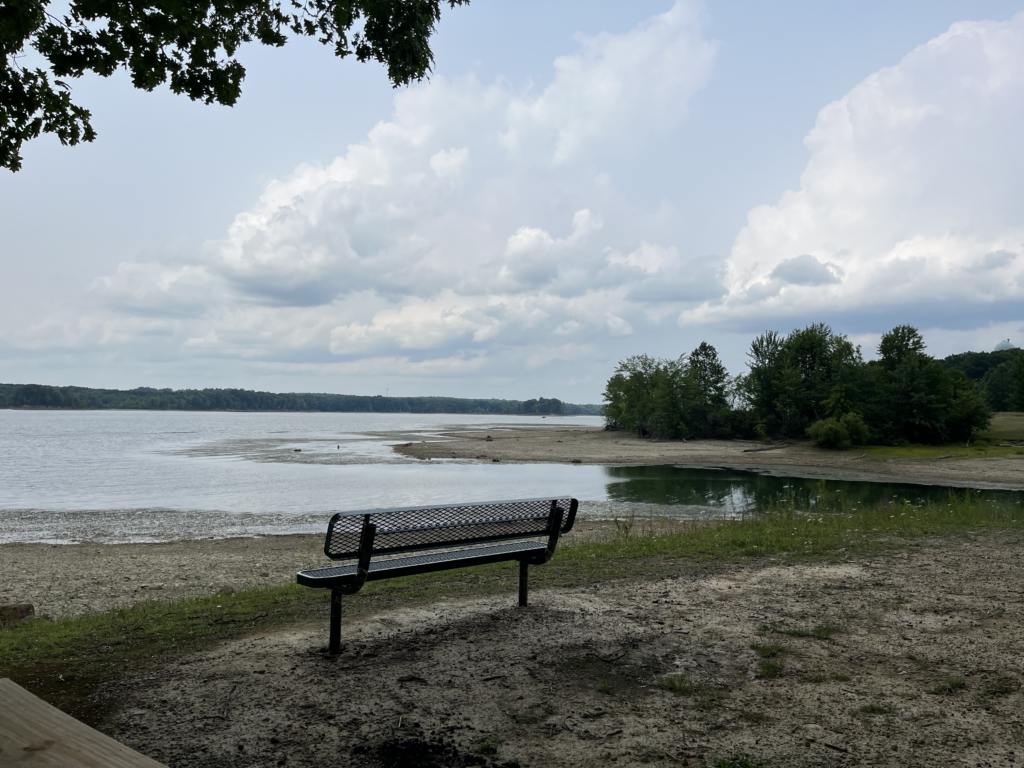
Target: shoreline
(594,445)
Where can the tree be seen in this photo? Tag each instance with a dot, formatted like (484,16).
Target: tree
(997,386)
(898,344)
(190,45)
(707,404)
(798,380)
(629,394)
(1017,393)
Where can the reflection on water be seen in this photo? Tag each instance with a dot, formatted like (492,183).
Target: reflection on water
(736,492)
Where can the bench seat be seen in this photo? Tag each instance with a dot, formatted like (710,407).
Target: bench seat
(379,544)
(390,568)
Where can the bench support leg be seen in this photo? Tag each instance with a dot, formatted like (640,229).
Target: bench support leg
(523,572)
(334,647)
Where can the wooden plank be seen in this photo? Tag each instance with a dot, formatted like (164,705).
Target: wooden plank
(34,733)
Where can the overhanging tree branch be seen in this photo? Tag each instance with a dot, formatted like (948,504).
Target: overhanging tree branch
(189,45)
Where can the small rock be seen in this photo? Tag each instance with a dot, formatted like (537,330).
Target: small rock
(227,590)
(265,574)
(495,460)
(12,612)
(576,461)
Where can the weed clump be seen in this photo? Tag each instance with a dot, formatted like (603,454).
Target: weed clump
(818,632)
(875,709)
(684,685)
(1000,686)
(740,760)
(949,686)
(768,650)
(769,668)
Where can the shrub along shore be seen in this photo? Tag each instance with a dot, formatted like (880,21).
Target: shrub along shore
(815,383)
(69,660)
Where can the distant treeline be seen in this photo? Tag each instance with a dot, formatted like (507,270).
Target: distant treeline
(815,383)
(146,398)
(997,376)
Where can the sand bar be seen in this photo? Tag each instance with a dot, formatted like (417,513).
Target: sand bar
(594,445)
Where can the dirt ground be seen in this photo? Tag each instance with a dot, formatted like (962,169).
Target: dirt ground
(68,579)
(72,579)
(909,659)
(594,445)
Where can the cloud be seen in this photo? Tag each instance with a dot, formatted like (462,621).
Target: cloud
(603,93)
(911,195)
(469,226)
(806,270)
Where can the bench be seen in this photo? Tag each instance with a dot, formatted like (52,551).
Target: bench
(388,543)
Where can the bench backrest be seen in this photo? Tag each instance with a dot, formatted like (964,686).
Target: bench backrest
(450,525)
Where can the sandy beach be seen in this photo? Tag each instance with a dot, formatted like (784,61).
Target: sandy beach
(594,445)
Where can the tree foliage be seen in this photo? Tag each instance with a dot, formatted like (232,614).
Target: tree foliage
(190,45)
(812,382)
(686,397)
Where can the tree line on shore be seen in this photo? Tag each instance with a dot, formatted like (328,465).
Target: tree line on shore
(815,383)
(147,398)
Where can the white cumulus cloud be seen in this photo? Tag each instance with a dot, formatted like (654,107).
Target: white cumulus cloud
(912,193)
(461,229)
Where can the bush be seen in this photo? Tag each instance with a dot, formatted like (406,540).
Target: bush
(856,429)
(829,433)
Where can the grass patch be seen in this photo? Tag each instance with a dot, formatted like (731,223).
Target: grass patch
(683,685)
(950,685)
(818,632)
(64,661)
(1007,425)
(489,745)
(874,709)
(768,650)
(768,669)
(1003,685)
(740,760)
(978,450)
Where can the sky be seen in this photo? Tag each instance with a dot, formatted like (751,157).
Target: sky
(575,183)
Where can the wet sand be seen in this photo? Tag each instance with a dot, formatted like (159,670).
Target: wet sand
(593,445)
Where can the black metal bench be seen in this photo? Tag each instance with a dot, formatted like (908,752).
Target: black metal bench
(424,539)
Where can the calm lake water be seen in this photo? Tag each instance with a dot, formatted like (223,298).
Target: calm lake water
(112,476)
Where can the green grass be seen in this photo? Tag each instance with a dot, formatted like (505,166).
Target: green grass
(769,668)
(875,709)
(768,650)
(1001,685)
(954,450)
(740,760)
(1007,425)
(64,661)
(949,686)
(681,684)
(818,632)
(489,745)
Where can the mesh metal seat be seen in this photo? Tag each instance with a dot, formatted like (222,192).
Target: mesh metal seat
(442,537)
(433,561)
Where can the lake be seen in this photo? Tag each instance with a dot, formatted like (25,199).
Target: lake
(114,476)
